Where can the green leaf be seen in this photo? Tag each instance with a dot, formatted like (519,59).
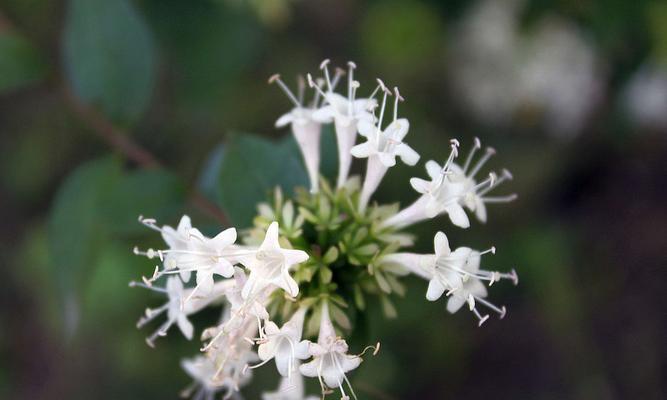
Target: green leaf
(251,168)
(20,62)
(95,206)
(109,57)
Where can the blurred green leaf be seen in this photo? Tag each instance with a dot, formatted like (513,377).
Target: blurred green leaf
(109,57)
(402,37)
(20,62)
(209,45)
(95,205)
(250,168)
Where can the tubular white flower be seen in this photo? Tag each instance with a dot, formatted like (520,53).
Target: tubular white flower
(382,147)
(191,251)
(270,265)
(450,189)
(284,344)
(345,112)
(473,194)
(177,308)
(289,389)
(306,130)
(457,272)
(330,359)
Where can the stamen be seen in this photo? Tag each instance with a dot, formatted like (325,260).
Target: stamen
(324,67)
(301,82)
(384,104)
(491,250)
(500,199)
(350,78)
(476,145)
(276,78)
(339,73)
(315,85)
(489,152)
(398,98)
(500,310)
(454,144)
(506,175)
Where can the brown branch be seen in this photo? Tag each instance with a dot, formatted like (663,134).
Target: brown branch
(121,141)
(116,137)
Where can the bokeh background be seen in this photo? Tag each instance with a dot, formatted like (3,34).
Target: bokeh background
(109,109)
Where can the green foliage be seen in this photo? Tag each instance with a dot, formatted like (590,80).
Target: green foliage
(109,57)
(249,169)
(397,35)
(94,207)
(20,62)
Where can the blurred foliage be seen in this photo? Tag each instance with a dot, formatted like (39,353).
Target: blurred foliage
(109,57)
(21,64)
(587,234)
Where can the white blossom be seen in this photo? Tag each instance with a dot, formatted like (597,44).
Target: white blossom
(330,359)
(270,265)
(284,344)
(345,112)
(382,147)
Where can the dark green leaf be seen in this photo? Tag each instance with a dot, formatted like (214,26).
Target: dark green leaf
(109,56)
(252,167)
(20,62)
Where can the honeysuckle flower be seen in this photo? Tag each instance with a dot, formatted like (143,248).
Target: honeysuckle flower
(450,189)
(191,251)
(330,359)
(345,112)
(457,272)
(270,265)
(177,313)
(382,147)
(306,129)
(291,388)
(332,255)
(284,344)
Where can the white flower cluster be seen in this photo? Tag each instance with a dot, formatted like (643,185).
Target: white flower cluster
(250,277)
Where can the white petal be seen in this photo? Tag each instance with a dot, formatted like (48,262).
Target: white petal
(387,159)
(407,154)
(223,268)
(363,150)
(435,290)
(310,369)
(420,185)
(271,239)
(441,244)
(266,351)
(458,216)
(480,209)
(284,120)
(224,239)
(398,129)
(433,169)
(324,115)
(366,128)
(454,303)
(185,326)
(205,281)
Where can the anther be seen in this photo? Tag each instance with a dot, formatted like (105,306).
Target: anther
(503,310)
(324,63)
(273,78)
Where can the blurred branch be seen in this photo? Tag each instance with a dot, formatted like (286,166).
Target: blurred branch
(113,135)
(121,141)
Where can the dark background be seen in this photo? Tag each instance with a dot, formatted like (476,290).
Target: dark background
(573,95)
